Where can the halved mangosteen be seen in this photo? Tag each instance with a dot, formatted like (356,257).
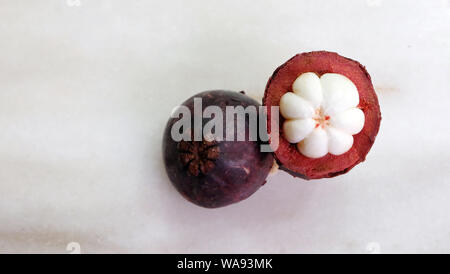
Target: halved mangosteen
(329,114)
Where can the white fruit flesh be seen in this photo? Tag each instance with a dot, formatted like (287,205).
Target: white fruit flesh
(322,114)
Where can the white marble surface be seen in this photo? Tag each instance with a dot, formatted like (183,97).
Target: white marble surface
(86,88)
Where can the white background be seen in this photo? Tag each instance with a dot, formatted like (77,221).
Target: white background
(86,88)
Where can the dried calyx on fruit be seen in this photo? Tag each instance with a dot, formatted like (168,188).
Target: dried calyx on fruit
(198,156)
(329,112)
(215,173)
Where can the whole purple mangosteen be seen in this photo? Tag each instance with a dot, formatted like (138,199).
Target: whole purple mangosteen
(214,173)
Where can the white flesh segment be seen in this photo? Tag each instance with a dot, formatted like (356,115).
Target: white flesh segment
(315,145)
(350,121)
(296,130)
(308,86)
(338,142)
(293,106)
(339,93)
(322,114)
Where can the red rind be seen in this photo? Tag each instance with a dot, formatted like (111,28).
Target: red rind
(321,62)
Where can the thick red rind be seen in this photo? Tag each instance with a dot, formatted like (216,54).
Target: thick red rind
(321,62)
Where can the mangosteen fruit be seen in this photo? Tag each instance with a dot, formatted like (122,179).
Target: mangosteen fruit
(329,114)
(215,171)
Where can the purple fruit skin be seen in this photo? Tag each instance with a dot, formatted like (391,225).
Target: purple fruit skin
(240,170)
